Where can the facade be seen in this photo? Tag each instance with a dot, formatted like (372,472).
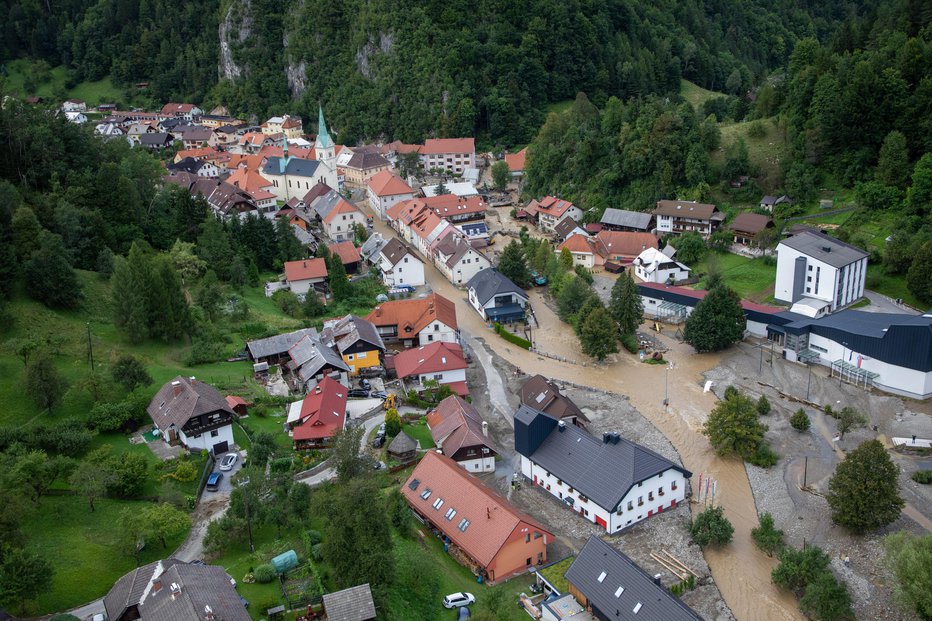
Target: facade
(457,209)
(611,586)
(170,589)
(385,190)
(611,481)
(292,176)
(440,362)
(541,394)
(313,421)
(747,226)
(684,216)
(340,222)
(363,166)
(301,276)
(516,162)
(357,340)
(497,540)
(495,297)
(769,202)
(460,433)
(193,414)
(818,273)
(399,265)
(453,155)
(416,322)
(624,220)
(291,127)
(184,111)
(658,266)
(456,258)
(74,105)
(551,210)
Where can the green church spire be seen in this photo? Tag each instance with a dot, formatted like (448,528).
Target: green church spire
(323,138)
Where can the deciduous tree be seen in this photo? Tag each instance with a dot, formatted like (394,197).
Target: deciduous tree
(767,537)
(827,599)
(849,418)
(864,493)
(44,384)
(711,527)
(500,174)
(598,335)
(910,558)
(798,568)
(733,427)
(893,162)
(345,452)
(690,247)
(919,276)
(717,322)
(49,276)
(91,481)
(129,372)
(24,576)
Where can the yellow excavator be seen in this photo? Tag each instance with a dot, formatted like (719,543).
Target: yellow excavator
(389,402)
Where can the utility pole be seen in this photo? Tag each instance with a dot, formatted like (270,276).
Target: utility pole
(808,381)
(90,346)
(666,385)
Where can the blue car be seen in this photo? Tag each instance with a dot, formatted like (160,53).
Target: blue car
(213,481)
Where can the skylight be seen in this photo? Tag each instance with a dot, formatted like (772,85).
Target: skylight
(601,576)
(636,608)
(619,591)
(541,396)
(463,525)
(426,493)
(450,513)
(438,503)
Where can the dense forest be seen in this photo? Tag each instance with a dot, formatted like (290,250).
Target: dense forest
(409,69)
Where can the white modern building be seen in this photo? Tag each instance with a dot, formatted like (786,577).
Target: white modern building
(386,189)
(819,274)
(609,481)
(454,155)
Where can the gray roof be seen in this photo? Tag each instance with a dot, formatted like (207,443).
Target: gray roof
(296,166)
(402,443)
(364,160)
(352,604)
(323,205)
(276,345)
(490,282)
(395,250)
(628,219)
(602,471)
(824,248)
(157,139)
(565,226)
(623,587)
(309,356)
(371,248)
(347,331)
(183,398)
(149,590)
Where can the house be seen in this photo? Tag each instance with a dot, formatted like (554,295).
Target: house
(611,481)
(399,265)
(684,216)
(193,414)
(348,253)
(224,199)
(274,349)
(184,111)
(516,162)
(416,322)
(493,537)
(496,298)
(363,166)
(73,105)
(352,604)
(456,258)
(460,433)
(195,136)
(156,141)
(456,209)
(302,275)
(171,589)
(586,251)
(439,361)
(341,221)
(453,155)
(567,228)
(541,394)
(257,186)
(463,189)
(769,202)
(403,448)
(611,586)
(311,360)
(817,273)
(550,210)
(371,248)
(200,168)
(357,340)
(77,118)
(654,265)
(216,121)
(622,247)
(392,150)
(624,220)
(386,189)
(253,142)
(108,130)
(747,226)
(291,127)
(313,421)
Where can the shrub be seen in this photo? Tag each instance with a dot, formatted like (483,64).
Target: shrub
(922,476)
(764,456)
(265,573)
(768,538)
(763,406)
(288,302)
(757,130)
(314,537)
(711,527)
(511,338)
(204,351)
(799,421)
(731,391)
(630,343)
(827,599)
(317,551)
(798,568)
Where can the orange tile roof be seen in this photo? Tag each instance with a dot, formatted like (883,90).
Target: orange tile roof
(342,206)
(201,153)
(553,206)
(250,161)
(412,316)
(323,411)
(306,269)
(516,161)
(582,245)
(449,205)
(276,150)
(347,252)
(252,138)
(437,146)
(493,521)
(626,243)
(249,180)
(434,357)
(384,183)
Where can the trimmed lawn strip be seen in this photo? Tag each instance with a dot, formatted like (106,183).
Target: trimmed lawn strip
(421,432)
(752,279)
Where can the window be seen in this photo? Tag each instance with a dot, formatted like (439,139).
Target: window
(436,327)
(650,495)
(426,494)
(450,513)
(527,538)
(809,267)
(673,485)
(463,525)
(438,503)
(214,433)
(640,484)
(360,355)
(583,498)
(619,591)
(640,500)
(349,357)
(630,505)
(537,535)
(660,491)
(602,576)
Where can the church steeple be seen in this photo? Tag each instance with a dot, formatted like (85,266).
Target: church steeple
(323,138)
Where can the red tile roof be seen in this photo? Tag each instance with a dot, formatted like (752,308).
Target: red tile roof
(305,270)
(450,205)
(384,183)
(438,146)
(431,358)
(553,206)
(516,161)
(347,252)
(581,244)
(699,294)
(177,108)
(323,411)
(493,521)
(248,180)
(454,423)
(626,243)
(342,206)
(412,316)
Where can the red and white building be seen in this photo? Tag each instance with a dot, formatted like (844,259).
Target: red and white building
(301,276)
(550,211)
(454,155)
(442,362)
(313,421)
(385,190)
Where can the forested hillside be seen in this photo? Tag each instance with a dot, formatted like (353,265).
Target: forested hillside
(412,68)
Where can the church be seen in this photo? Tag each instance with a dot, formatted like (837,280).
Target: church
(292,176)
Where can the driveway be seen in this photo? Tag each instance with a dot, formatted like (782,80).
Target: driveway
(882,304)
(330,473)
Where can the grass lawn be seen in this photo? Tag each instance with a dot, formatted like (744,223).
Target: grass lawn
(752,279)
(764,152)
(271,424)
(695,94)
(419,431)
(82,547)
(93,93)
(890,285)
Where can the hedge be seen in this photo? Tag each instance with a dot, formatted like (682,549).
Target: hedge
(511,338)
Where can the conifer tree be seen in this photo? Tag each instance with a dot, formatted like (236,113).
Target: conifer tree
(625,305)
(513,265)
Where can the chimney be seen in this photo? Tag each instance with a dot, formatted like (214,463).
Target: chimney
(561,426)
(176,590)
(485,429)
(317,389)
(657,579)
(209,614)
(488,513)
(156,586)
(176,388)
(606,437)
(615,437)
(305,264)
(827,248)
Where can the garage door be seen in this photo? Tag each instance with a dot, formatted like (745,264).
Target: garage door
(220,448)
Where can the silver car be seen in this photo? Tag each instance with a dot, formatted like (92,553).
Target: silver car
(228,461)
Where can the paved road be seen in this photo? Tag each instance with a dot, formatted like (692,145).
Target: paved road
(882,304)
(331,473)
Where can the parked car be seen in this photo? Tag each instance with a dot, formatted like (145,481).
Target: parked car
(538,280)
(463,613)
(378,465)
(228,461)
(358,393)
(213,481)
(379,442)
(381,430)
(365,384)
(98,617)
(455,600)
(378,394)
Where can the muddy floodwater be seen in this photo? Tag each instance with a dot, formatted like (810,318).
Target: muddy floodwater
(741,572)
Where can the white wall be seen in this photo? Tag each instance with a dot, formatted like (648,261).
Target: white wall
(660,275)
(436,331)
(483,464)
(380,205)
(301,287)
(468,266)
(206,441)
(824,278)
(342,226)
(408,271)
(445,377)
